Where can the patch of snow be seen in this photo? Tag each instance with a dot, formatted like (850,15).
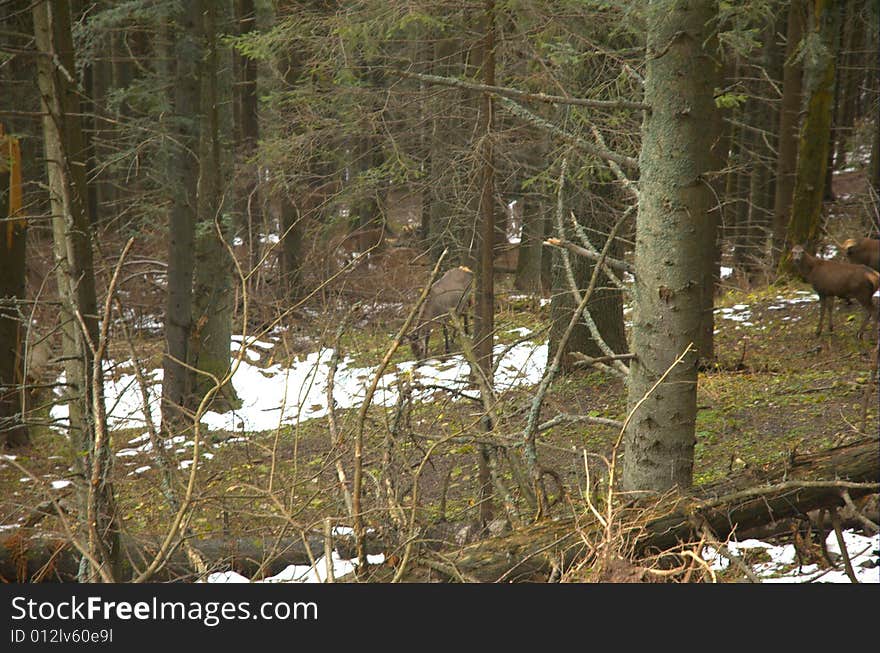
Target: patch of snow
(726,271)
(827,252)
(60,485)
(782,568)
(262,344)
(736,313)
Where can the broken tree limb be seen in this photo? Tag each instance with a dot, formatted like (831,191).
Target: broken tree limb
(614,264)
(28,557)
(506,91)
(732,505)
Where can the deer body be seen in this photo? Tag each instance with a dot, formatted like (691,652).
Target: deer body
(864,250)
(449,294)
(832,279)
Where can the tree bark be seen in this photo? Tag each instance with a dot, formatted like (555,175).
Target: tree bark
(484,319)
(27,557)
(531,248)
(813,145)
(247,133)
(789,121)
(671,233)
(212,294)
(183,186)
(13,238)
(66,166)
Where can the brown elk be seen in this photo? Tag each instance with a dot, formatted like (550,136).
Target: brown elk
(449,294)
(865,251)
(832,279)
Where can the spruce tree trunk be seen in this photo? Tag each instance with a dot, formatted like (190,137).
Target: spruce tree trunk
(813,145)
(212,293)
(249,211)
(13,235)
(66,166)
(848,75)
(671,233)
(531,249)
(875,149)
(712,263)
(183,185)
(743,148)
(443,224)
(484,319)
(761,188)
(789,126)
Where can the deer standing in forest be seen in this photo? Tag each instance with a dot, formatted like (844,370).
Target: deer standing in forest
(449,294)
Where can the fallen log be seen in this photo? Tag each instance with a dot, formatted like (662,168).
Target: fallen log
(747,500)
(27,556)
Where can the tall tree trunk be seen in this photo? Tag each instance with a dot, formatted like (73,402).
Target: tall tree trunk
(809,189)
(484,322)
(670,244)
(212,294)
(66,166)
(531,248)
(13,236)
(442,221)
(712,270)
(247,129)
(762,185)
(743,147)
(183,186)
(875,150)
(848,76)
(789,123)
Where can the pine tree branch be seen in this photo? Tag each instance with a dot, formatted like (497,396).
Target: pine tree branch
(506,91)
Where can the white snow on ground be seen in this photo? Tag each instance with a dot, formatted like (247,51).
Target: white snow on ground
(782,566)
(285,395)
(782,302)
(828,252)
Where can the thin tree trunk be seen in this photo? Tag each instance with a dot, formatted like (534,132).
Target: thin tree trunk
(531,249)
(806,214)
(848,75)
(247,129)
(712,270)
(65,163)
(789,121)
(13,237)
(484,327)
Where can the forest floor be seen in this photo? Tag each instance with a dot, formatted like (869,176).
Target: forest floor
(776,388)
